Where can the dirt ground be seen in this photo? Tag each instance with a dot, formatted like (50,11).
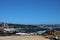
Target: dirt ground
(23,38)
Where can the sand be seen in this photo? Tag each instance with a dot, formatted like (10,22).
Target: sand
(23,38)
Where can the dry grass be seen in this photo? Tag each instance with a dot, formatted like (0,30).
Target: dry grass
(51,32)
(23,38)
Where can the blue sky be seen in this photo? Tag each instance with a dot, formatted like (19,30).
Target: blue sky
(30,11)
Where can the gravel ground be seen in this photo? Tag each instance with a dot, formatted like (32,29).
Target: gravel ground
(23,38)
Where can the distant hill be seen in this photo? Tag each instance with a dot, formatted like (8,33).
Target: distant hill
(10,25)
(44,26)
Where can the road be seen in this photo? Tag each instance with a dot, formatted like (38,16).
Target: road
(23,38)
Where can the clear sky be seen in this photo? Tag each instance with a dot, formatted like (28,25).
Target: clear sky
(30,11)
